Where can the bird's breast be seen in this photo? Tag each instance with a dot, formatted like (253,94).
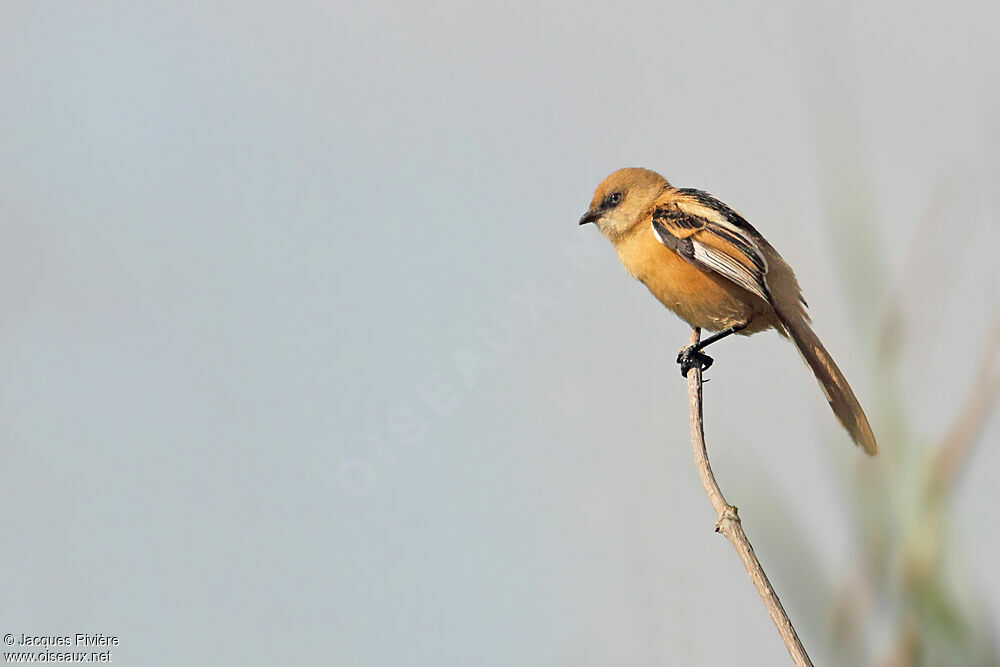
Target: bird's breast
(700,298)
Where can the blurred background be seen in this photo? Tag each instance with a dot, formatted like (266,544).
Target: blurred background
(305,359)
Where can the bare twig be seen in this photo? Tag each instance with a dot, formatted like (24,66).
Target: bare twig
(729,521)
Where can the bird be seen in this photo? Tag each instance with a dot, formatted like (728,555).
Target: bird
(715,271)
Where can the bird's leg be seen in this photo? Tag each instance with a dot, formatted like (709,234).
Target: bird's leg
(692,355)
(719,336)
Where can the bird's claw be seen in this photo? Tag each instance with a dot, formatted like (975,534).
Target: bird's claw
(689,358)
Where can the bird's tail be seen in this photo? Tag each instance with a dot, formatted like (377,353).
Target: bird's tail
(839,394)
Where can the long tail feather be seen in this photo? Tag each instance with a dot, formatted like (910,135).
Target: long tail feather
(838,392)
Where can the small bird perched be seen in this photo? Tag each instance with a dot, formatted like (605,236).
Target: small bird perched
(703,261)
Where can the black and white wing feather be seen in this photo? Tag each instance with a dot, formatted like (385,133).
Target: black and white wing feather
(714,237)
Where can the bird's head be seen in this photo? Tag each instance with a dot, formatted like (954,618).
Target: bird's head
(622,199)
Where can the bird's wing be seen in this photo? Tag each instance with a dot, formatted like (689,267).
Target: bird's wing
(712,236)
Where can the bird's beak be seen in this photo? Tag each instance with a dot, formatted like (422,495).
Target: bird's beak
(590,216)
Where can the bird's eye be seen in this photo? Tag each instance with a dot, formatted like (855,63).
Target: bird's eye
(614,198)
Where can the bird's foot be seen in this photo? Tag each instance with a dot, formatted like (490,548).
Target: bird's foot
(689,358)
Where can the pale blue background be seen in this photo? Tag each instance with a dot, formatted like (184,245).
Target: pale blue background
(237,239)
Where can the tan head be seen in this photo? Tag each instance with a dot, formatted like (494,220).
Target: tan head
(622,199)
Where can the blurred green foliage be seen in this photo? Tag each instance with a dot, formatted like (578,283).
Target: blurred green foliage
(902,604)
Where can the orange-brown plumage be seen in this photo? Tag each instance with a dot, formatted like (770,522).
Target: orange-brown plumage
(704,262)
(700,298)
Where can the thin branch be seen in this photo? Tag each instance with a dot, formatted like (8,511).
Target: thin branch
(729,521)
